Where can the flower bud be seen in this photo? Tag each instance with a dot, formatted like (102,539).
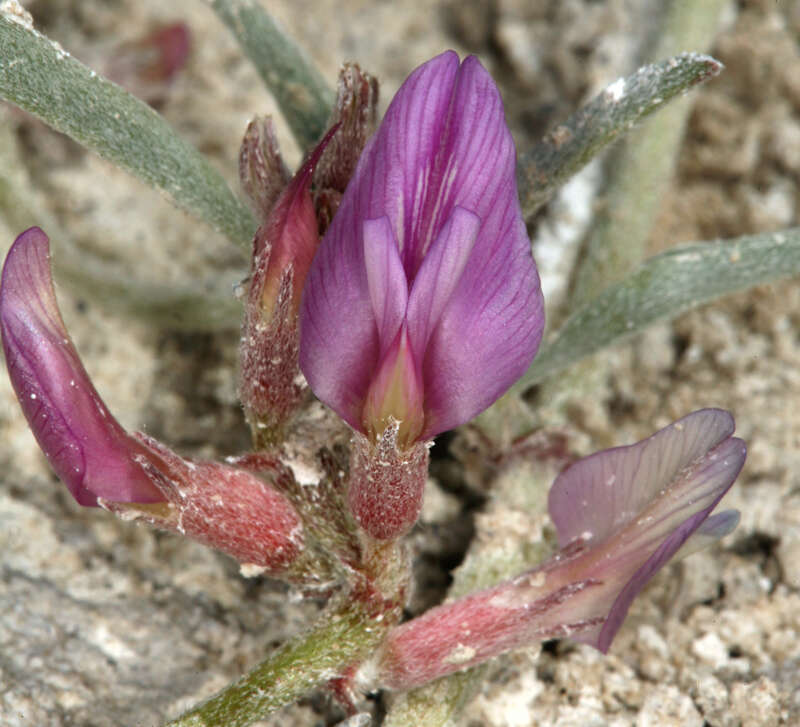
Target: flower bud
(270,386)
(262,172)
(356,112)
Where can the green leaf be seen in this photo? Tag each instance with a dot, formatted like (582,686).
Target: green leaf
(37,75)
(571,145)
(664,287)
(640,173)
(301,92)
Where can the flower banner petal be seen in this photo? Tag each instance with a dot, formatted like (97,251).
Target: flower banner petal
(603,491)
(635,507)
(494,320)
(339,348)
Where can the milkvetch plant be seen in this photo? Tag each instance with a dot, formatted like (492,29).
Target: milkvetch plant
(392,296)
(620,514)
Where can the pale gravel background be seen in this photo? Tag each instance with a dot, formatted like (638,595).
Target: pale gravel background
(104,623)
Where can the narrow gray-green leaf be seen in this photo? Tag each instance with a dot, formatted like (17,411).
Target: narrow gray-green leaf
(301,92)
(664,287)
(568,147)
(40,77)
(643,167)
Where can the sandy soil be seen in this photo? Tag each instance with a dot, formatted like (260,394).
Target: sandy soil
(104,623)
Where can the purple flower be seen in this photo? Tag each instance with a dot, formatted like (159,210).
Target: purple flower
(621,515)
(635,507)
(423,304)
(85,445)
(237,509)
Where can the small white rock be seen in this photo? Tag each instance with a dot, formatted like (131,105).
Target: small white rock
(711,650)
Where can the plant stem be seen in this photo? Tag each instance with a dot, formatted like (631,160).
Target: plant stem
(345,634)
(351,628)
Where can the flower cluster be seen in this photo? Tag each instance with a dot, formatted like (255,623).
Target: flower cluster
(395,272)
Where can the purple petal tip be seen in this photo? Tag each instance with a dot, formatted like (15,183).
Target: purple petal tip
(84,444)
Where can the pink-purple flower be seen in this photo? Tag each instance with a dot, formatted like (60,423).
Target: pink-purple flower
(88,449)
(423,304)
(621,515)
(633,508)
(238,509)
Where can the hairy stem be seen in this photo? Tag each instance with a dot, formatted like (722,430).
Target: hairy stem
(345,634)
(350,629)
